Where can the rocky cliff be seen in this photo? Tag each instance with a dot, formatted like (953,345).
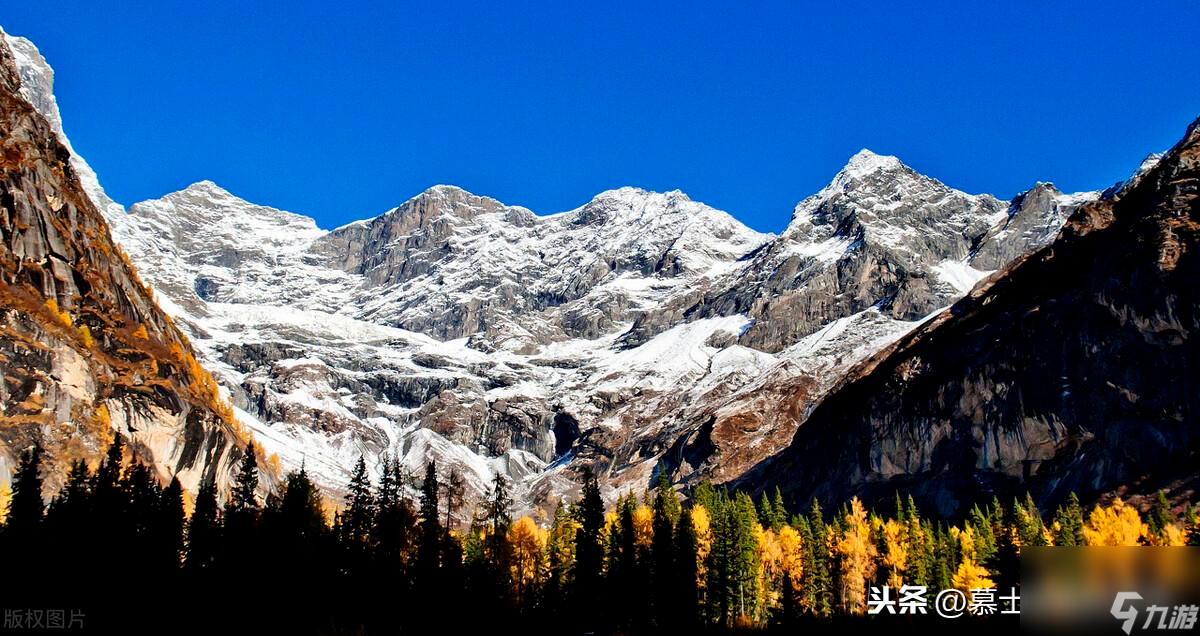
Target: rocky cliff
(1074,369)
(639,329)
(84,349)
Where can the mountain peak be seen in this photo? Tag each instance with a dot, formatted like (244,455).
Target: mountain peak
(206,186)
(633,193)
(864,162)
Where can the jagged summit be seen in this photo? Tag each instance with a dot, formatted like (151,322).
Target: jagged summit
(865,162)
(207,187)
(638,328)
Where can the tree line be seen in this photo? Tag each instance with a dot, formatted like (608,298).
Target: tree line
(388,562)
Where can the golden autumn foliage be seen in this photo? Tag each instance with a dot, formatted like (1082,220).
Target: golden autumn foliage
(643,525)
(59,314)
(895,557)
(702,524)
(1171,535)
(5,499)
(103,418)
(85,335)
(1114,525)
(781,559)
(858,558)
(770,565)
(528,542)
(971,575)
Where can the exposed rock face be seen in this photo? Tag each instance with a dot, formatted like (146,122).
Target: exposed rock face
(639,328)
(880,235)
(1073,369)
(84,350)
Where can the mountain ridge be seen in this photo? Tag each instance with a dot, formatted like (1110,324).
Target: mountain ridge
(637,330)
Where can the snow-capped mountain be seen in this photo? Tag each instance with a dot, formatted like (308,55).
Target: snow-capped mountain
(640,329)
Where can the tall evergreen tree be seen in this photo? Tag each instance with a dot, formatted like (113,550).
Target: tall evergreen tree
(686,571)
(204,530)
(589,553)
(360,511)
(429,549)
(23,542)
(1068,523)
(242,512)
(662,551)
(242,497)
(27,508)
(818,592)
(108,498)
(1160,514)
(1030,529)
(395,525)
(455,487)
(780,516)
(170,527)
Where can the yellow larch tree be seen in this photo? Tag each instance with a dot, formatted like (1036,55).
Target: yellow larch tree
(528,542)
(702,524)
(970,574)
(1114,525)
(791,547)
(858,558)
(770,566)
(5,499)
(895,559)
(643,525)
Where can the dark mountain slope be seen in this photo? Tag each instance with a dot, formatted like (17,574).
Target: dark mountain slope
(1075,368)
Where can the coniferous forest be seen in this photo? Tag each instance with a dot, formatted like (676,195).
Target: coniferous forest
(115,543)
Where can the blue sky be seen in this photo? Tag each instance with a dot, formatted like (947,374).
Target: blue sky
(341,113)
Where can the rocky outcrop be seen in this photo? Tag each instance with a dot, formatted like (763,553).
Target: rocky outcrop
(640,328)
(84,350)
(1072,370)
(879,235)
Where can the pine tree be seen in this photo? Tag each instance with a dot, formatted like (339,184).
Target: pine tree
(108,498)
(497,583)
(499,505)
(389,485)
(705,494)
(662,551)
(1160,515)
(142,516)
(1068,523)
(1030,529)
(685,575)
(589,553)
(1004,563)
(170,527)
(242,498)
(780,510)
(395,524)
(144,500)
(745,566)
(985,537)
(817,594)
(560,561)
(27,509)
(204,530)
(430,545)
(455,488)
(360,513)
